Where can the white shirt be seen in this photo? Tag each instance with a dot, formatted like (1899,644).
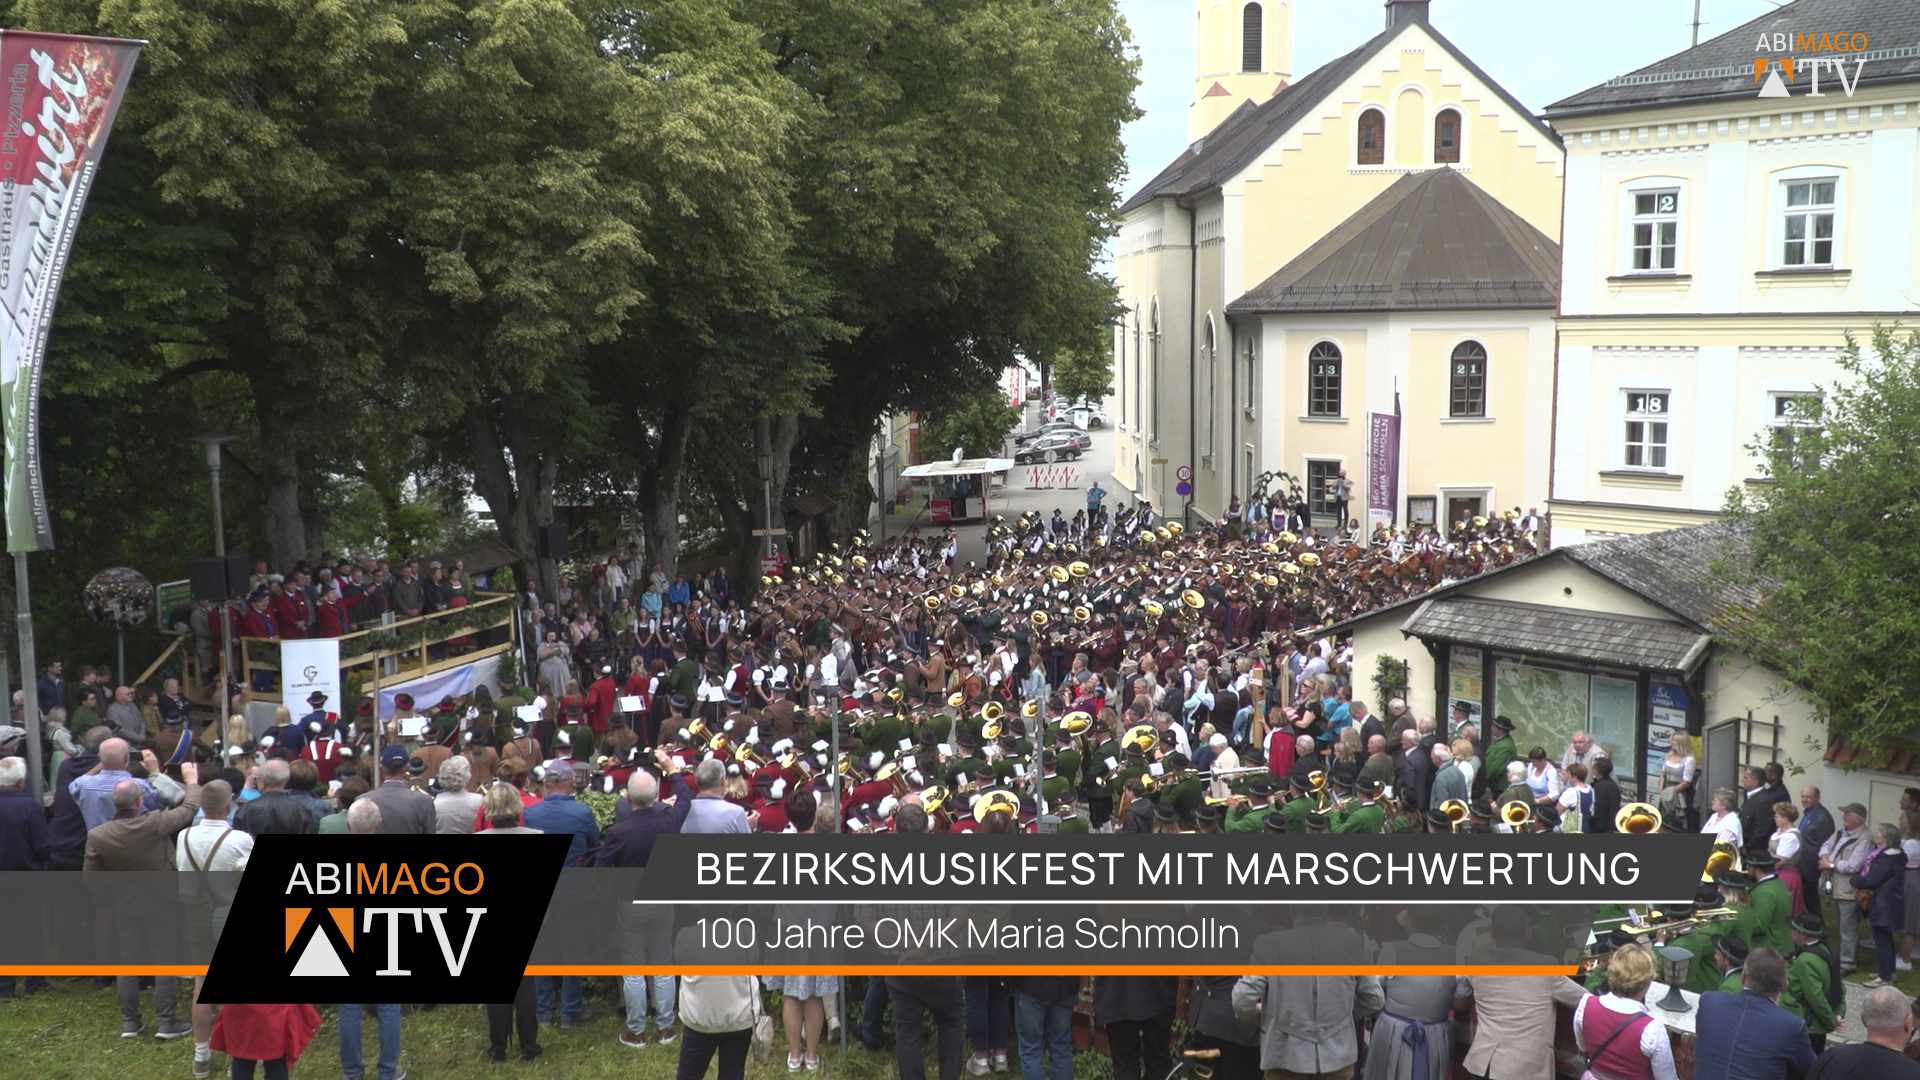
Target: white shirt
(1785,844)
(1653,1038)
(200,838)
(1724,826)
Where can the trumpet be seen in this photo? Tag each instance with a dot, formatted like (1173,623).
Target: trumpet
(1638,818)
(1517,813)
(1458,814)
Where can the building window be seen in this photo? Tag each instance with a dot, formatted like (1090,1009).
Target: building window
(1323,380)
(1139,383)
(1793,414)
(1249,362)
(1320,482)
(1373,137)
(1213,394)
(1468,381)
(1646,433)
(1250,38)
(1153,376)
(1809,223)
(1656,230)
(1446,137)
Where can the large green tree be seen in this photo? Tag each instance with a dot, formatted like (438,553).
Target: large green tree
(1835,565)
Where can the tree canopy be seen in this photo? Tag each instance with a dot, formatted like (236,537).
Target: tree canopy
(1832,531)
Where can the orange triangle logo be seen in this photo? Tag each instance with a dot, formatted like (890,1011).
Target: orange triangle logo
(296,917)
(343,918)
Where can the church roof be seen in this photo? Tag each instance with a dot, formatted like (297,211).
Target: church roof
(1432,241)
(1722,67)
(1245,134)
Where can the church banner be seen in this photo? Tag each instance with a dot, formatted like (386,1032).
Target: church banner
(1383,461)
(62,94)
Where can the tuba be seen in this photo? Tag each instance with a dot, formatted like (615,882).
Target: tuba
(1518,814)
(1322,797)
(1078,568)
(1638,818)
(1458,814)
(1039,619)
(1722,858)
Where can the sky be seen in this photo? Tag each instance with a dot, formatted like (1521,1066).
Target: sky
(1540,50)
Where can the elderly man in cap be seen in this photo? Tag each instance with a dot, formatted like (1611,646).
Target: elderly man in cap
(403,810)
(1845,854)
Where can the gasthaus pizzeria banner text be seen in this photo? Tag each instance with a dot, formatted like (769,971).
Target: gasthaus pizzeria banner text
(62,94)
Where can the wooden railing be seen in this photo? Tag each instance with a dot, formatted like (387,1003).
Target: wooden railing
(419,646)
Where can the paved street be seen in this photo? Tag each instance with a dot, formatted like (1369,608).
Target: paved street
(1016,497)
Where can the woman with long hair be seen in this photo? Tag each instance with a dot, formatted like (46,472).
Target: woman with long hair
(1676,779)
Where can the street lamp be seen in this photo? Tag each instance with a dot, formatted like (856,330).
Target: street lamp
(212,443)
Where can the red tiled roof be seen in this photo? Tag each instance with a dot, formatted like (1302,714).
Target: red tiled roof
(1904,761)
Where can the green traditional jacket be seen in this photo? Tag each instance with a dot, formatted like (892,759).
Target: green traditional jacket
(1365,818)
(1772,910)
(1730,982)
(1500,753)
(1076,822)
(1806,994)
(1248,819)
(1187,796)
(1295,812)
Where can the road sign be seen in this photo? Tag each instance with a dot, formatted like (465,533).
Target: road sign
(769,532)
(1183,473)
(1159,461)
(1183,489)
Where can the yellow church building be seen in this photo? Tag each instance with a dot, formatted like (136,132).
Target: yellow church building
(1376,239)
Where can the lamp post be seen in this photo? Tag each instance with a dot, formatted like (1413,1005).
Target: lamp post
(212,443)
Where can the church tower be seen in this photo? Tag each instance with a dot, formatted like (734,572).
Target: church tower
(1244,52)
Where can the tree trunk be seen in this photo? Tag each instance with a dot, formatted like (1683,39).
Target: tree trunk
(286,527)
(784,432)
(660,494)
(493,481)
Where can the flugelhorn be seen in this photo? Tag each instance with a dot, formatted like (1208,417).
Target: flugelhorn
(1638,818)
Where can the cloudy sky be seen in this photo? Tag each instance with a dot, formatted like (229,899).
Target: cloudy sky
(1540,50)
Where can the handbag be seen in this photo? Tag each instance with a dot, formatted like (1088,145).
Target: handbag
(762,1046)
(1864,898)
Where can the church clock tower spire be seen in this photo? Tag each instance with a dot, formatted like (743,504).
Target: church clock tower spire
(1244,52)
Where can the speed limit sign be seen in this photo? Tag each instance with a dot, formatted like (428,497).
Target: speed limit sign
(1184,472)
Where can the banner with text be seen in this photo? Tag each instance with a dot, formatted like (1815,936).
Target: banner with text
(311,666)
(1383,461)
(62,94)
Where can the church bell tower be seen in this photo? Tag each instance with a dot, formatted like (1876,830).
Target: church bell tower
(1244,52)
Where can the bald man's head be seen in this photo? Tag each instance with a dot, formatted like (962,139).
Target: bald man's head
(127,797)
(114,754)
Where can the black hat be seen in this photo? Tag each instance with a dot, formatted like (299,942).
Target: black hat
(1809,924)
(1501,723)
(1440,820)
(1732,948)
(1260,785)
(1276,823)
(1165,812)
(317,698)
(1706,896)
(1734,879)
(1318,822)
(1209,814)
(1762,860)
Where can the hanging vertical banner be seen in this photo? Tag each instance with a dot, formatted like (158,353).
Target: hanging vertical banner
(307,666)
(1383,461)
(62,94)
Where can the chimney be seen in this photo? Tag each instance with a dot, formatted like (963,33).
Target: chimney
(1402,12)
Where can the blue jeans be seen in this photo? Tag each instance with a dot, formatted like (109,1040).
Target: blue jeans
(573,998)
(873,1007)
(634,989)
(1045,1030)
(989,1013)
(388,1019)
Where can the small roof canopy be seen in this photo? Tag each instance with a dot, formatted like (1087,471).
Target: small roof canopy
(964,467)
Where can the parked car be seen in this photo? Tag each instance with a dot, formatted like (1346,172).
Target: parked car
(1051,427)
(1096,416)
(1050,448)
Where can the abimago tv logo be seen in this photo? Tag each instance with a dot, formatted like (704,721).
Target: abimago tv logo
(385,918)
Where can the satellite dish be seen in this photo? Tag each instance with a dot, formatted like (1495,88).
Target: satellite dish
(958,453)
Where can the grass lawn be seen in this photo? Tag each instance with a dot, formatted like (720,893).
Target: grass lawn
(70,1033)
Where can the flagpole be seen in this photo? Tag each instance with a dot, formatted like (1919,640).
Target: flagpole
(29,685)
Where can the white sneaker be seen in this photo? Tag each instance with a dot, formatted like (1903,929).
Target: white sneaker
(794,1064)
(999,1061)
(977,1066)
(1902,964)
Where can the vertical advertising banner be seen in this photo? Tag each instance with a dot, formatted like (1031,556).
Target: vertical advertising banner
(308,665)
(1383,461)
(62,94)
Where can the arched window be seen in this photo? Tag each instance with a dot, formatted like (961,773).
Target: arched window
(1467,383)
(1446,137)
(1323,380)
(1250,38)
(1139,382)
(1373,137)
(1248,356)
(1213,392)
(1153,374)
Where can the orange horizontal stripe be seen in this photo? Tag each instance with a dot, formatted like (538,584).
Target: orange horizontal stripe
(876,969)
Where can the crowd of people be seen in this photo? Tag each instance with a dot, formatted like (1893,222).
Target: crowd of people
(1109,672)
